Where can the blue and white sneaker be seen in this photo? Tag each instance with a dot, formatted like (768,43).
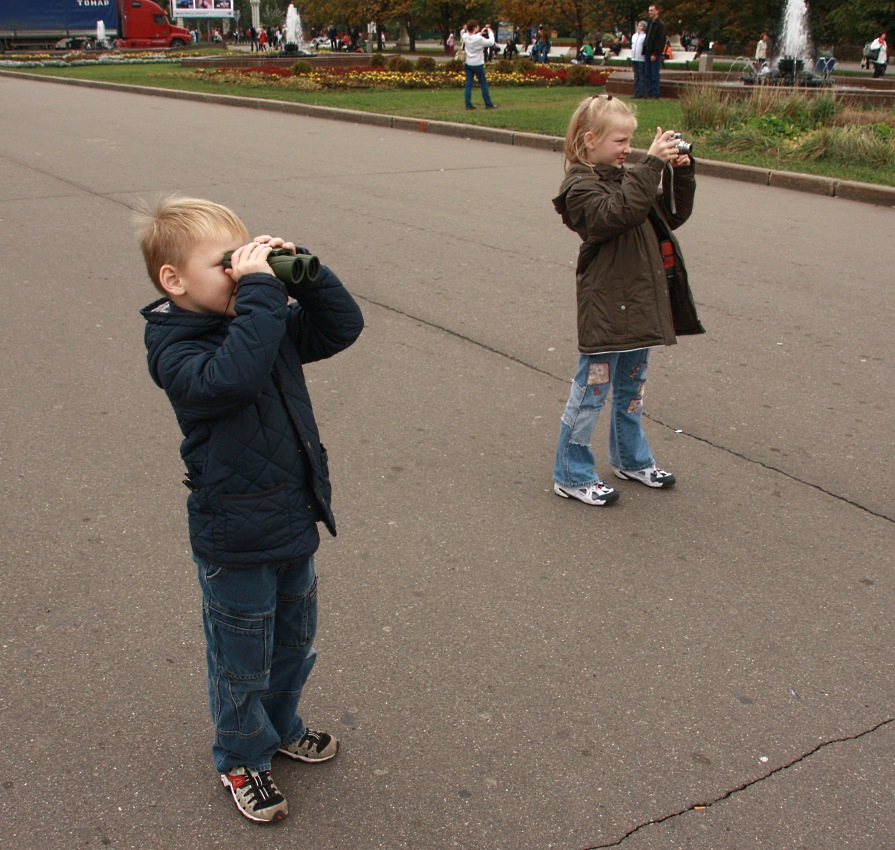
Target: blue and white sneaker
(591,494)
(651,476)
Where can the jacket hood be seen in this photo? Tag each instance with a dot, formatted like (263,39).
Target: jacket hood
(167,325)
(577,173)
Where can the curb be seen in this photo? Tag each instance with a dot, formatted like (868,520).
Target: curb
(867,193)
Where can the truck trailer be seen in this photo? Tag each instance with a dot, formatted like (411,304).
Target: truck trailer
(74,23)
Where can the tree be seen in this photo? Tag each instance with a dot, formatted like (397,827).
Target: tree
(578,15)
(528,13)
(859,20)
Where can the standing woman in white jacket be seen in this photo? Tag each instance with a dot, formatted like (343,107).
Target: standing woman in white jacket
(474,43)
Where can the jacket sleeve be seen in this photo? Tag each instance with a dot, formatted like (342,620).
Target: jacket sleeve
(656,38)
(325,320)
(603,210)
(206,381)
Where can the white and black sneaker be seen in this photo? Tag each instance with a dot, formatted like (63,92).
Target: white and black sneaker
(313,747)
(255,795)
(651,476)
(590,494)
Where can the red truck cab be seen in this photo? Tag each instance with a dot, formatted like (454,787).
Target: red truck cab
(145,24)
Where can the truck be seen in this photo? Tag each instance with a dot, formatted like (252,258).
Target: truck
(75,24)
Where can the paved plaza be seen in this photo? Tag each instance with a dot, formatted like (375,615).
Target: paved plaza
(706,668)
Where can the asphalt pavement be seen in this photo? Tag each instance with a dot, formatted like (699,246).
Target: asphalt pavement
(706,668)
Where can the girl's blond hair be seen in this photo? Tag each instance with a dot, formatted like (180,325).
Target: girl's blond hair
(600,115)
(172,227)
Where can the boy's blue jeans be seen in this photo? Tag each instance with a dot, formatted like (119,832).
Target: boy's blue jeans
(260,624)
(624,373)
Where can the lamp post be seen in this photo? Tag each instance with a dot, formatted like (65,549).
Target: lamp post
(256,15)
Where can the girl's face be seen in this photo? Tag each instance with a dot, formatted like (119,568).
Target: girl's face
(612,149)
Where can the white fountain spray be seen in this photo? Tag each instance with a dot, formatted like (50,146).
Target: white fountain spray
(795,37)
(100,33)
(293,28)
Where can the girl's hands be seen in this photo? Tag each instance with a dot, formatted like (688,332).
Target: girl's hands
(664,147)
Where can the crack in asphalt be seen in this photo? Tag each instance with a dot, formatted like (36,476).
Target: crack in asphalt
(744,786)
(659,422)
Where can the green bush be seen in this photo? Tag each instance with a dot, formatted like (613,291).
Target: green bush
(399,63)
(377,60)
(705,108)
(847,145)
(579,75)
(824,108)
(506,66)
(426,63)
(454,65)
(301,67)
(523,64)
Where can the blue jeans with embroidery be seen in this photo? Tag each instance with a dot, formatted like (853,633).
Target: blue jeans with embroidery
(260,624)
(624,374)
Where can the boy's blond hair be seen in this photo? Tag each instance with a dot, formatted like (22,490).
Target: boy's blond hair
(600,115)
(170,228)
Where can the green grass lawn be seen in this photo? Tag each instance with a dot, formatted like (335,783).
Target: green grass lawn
(533,110)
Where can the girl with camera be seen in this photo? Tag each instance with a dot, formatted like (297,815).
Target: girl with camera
(632,289)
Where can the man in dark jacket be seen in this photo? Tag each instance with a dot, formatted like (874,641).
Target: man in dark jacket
(228,348)
(656,36)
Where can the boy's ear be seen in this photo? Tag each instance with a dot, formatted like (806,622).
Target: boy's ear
(169,279)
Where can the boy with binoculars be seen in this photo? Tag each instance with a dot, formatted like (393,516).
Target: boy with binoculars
(228,347)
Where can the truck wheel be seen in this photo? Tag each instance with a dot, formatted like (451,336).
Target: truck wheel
(177,43)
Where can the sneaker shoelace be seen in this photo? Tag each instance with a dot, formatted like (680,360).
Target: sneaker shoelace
(262,792)
(312,740)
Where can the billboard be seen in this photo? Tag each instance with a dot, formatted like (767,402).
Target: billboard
(204,9)
(58,15)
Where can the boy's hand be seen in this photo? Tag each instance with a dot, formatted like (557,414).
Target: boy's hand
(250,259)
(275,242)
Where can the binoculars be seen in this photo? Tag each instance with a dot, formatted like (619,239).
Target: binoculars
(292,269)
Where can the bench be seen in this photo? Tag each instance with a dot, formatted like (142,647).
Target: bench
(679,58)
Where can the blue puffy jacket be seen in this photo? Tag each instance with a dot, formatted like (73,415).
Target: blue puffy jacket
(256,469)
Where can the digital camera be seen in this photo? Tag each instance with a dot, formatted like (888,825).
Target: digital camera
(682,146)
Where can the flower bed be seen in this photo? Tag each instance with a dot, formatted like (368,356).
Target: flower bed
(305,77)
(80,57)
